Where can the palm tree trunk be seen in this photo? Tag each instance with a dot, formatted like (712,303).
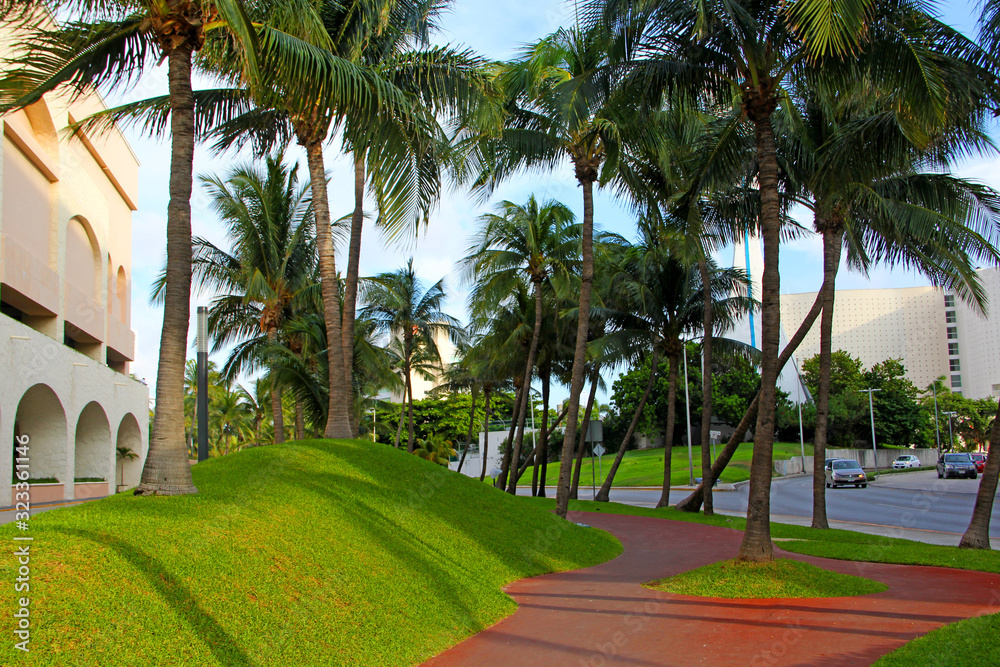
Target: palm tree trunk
(757,545)
(540,447)
(693,502)
(300,421)
(595,377)
(338,421)
(582,329)
(706,386)
(505,465)
(167,471)
(277,417)
(486,432)
(604,493)
(411,441)
(353,262)
(529,368)
(402,417)
(472,423)
(668,430)
(977,535)
(832,239)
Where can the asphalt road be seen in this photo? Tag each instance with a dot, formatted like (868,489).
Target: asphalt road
(915,501)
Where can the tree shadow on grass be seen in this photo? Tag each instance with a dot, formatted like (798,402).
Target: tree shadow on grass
(177,596)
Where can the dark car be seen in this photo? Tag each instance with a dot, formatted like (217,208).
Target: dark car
(845,471)
(956,464)
(980,460)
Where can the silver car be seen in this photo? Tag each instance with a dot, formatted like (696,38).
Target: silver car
(906,461)
(845,471)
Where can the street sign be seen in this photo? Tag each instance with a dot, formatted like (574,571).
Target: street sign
(598,450)
(595,431)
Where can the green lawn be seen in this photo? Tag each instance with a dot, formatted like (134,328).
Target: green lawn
(311,553)
(780,578)
(645,467)
(969,642)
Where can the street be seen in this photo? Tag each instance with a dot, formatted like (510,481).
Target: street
(926,508)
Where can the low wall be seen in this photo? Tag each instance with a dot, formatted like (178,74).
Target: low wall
(41,493)
(796,465)
(928,457)
(90,489)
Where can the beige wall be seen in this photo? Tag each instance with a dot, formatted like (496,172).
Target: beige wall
(66,224)
(880,324)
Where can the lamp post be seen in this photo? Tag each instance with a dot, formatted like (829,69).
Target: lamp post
(798,391)
(871,412)
(687,418)
(951,435)
(937,426)
(202,399)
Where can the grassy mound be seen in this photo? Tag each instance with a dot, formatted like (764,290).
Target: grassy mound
(968,642)
(836,544)
(645,467)
(311,553)
(780,578)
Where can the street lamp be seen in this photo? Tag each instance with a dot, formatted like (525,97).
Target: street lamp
(202,398)
(871,412)
(937,426)
(951,435)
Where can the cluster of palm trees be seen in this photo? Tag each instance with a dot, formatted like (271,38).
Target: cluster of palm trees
(712,120)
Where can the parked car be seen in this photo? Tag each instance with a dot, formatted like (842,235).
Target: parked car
(980,460)
(906,461)
(956,464)
(845,471)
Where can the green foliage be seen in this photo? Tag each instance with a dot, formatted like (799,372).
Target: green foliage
(845,373)
(900,419)
(436,449)
(446,416)
(307,553)
(970,425)
(780,578)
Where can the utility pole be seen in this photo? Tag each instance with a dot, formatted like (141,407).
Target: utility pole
(687,410)
(202,375)
(871,412)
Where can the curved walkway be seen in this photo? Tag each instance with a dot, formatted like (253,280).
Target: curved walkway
(602,616)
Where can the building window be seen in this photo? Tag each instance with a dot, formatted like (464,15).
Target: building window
(996,390)
(949,316)
(952,332)
(949,300)
(956,365)
(956,380)
(953,349)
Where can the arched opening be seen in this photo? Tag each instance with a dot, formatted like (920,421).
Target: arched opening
(122,294)
(82,258)
(129,466)
(92,460)
(40,417)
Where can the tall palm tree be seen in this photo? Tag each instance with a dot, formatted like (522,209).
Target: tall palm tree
(875,193)
(747,51)
(528,242)
(561,102)
(271,266)
(656,300)
(398,306)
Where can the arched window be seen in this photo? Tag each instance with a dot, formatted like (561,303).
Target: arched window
(121,293)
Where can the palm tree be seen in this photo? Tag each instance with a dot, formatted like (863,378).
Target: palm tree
(748,51)
(656,299)
(884,199)
(560,102)
(529,242)
(125,454)
(270,269)
(436,449)
(398,306)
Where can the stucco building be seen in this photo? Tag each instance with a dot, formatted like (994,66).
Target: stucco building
(66,207)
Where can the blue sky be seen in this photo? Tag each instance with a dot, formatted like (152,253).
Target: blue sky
(496,30)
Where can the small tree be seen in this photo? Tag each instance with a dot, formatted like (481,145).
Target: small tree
(126,454)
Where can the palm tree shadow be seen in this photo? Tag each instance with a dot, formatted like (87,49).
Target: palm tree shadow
(177,595)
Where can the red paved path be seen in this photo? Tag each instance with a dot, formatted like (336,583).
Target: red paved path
(602,616)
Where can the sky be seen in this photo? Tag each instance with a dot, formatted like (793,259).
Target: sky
(496,30)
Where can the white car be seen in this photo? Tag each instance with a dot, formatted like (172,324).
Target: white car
(906,461)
